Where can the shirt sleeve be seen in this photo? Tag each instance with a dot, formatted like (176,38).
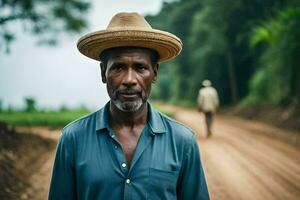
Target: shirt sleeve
(191,183)
(200,99)
(217,103)
(62,186)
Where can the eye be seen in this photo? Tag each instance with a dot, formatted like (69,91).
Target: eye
(141,67)
(118,67)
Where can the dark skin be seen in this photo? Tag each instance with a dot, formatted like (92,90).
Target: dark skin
(128,70)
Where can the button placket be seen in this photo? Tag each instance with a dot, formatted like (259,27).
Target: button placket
(119,153)
(114,141)
(128,181)
(124,168)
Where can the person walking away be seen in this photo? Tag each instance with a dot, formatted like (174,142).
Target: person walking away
(208,103)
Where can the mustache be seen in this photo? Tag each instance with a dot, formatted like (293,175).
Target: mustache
(128,91)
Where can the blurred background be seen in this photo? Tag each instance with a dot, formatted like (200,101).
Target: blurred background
(248,49)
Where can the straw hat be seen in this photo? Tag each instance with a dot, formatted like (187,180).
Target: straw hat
(132,30)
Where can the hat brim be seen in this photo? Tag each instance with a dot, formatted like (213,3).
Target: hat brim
(166,44)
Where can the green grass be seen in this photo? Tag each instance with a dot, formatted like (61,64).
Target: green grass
(39,118)
(52,118)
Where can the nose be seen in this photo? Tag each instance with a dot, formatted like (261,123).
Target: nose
(130,78)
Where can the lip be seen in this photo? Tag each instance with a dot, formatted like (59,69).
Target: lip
(129,95)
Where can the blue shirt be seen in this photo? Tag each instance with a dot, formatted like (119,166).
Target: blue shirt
(90,163)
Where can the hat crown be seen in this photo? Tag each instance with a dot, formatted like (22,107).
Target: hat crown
(130,30)
(206,83)
(128,21)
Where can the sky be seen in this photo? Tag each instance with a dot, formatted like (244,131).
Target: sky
(61,75)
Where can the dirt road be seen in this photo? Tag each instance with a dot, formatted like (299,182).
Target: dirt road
(39,180)
(245,159)
(242,160)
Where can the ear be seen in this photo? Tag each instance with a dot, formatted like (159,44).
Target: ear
(155,71)
(103,71)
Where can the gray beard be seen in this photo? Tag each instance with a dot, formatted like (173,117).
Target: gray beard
(128,106)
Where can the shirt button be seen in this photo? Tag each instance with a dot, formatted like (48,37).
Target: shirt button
(113,136)
(116,146)
(128,181)
(124,165)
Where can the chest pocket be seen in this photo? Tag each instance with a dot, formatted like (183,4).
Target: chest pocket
(162,184)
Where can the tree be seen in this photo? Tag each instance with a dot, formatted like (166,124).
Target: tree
(220,37)
(215,36)
(30,104)
(277,82)
(175,17)
(44,18)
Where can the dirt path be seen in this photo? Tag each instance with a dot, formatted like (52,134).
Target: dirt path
(242,160)
(40,180)
(245,159)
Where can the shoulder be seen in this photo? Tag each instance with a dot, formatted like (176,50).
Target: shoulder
(214,89)
(204,90)
(178,130)
(79,126)
(182,135)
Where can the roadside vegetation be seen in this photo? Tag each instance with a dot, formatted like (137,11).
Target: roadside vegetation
(248,49)
(32,116)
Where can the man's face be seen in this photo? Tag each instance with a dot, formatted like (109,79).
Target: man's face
(128,77)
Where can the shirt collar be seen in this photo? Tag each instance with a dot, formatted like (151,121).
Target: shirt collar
(102,118)
(155,120)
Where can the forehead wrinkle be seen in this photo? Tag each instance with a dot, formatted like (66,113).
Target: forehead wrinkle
(133,57)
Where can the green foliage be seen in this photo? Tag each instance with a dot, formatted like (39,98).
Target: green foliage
(32,116)
(41,118)
(226,42)
(30,104)
(175,17)
(45,18)
(277,80)
(163,88)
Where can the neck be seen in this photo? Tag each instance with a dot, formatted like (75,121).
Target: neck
(120,118)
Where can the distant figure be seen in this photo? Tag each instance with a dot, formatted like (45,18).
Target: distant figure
(208,102)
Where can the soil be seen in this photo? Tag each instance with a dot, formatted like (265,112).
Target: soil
(284,117)
(23,159)
(246,159)
(243,159)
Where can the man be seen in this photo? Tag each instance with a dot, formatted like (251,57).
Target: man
(128,150)
(208,102)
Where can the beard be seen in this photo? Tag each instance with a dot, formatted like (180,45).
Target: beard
(128,106)
(131,104)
